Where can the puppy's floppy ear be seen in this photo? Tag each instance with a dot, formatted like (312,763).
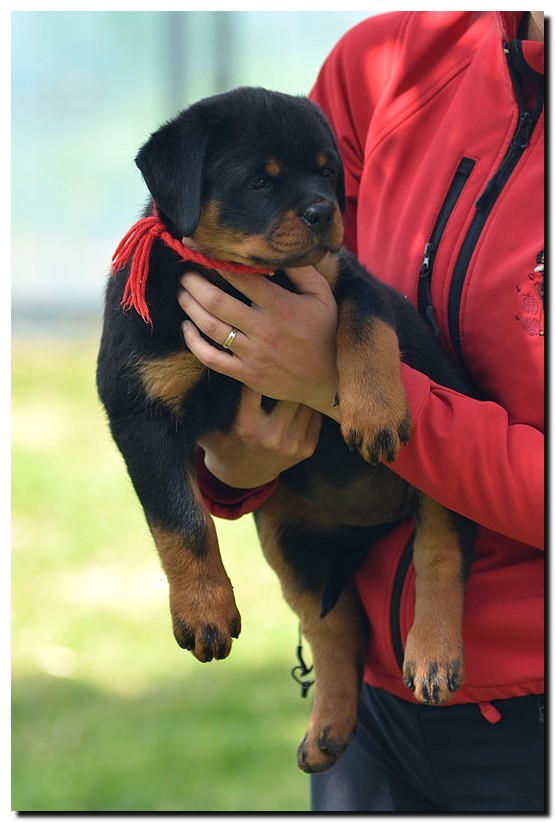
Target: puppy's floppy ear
(172,164)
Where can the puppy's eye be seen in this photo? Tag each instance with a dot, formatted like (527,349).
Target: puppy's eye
(328,172)
(256,183)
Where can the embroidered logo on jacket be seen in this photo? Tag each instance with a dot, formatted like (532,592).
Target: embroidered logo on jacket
(530,300)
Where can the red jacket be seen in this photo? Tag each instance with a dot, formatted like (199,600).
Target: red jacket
(445,202)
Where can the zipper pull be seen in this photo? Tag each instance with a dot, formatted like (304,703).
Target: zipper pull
(425,267)
(519,142)
(426,296)
(524,130)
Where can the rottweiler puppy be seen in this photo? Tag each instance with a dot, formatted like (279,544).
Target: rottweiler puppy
(255,178)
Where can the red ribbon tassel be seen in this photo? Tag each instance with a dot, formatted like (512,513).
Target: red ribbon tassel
(136,247)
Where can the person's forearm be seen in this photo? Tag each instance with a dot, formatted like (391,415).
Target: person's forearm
(467,455)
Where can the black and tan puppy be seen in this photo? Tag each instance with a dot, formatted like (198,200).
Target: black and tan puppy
(256,179)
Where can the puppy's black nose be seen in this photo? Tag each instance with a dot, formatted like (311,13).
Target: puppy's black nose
(318,215)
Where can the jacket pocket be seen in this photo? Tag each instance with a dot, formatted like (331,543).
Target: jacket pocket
(458,183)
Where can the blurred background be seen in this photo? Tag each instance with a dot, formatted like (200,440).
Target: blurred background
(107,713)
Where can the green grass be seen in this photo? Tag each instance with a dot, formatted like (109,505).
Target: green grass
(108,714)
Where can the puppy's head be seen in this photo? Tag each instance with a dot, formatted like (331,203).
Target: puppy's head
(252,176)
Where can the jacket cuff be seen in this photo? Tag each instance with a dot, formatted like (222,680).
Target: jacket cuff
(417,385)
(224,501)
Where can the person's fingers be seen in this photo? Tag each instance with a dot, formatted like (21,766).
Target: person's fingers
(305,430)
(314,428)
(260,290)
(208,355)
(250,401)
(195,287)
(308,279)
(220,331)
(253,421)
(288,427)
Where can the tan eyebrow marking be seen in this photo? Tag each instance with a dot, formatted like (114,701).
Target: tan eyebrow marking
(273,168)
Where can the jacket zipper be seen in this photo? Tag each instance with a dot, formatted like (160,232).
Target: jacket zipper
(484,205)
(425,283)
(396,597)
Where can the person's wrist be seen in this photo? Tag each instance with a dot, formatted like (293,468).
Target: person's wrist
(325,401)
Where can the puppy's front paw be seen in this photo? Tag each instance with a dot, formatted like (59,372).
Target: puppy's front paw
(208,628)
(373,407)
(376,430)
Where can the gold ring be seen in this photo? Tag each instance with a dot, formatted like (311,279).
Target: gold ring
(230,337)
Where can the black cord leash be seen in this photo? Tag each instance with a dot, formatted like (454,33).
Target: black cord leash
(300,671)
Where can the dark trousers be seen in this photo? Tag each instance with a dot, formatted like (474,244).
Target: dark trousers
(420,759)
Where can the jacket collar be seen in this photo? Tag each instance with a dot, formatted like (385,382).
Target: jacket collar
(508,22)
(532,51)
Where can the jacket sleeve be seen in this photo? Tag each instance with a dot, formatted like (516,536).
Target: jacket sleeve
(489,470)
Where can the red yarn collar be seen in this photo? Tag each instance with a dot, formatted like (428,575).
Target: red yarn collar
(137,244)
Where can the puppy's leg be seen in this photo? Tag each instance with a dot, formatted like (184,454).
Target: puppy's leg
(434,660)
(159,460)
(375,417)
(337,641)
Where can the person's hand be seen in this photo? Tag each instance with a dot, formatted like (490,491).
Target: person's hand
(261,445)
(284,347)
